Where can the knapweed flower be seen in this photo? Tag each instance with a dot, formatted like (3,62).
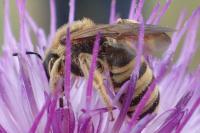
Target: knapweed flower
(28,105)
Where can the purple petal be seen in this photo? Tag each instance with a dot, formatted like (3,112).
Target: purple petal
(51,114)
(120,119)
(85,124)
(64,121)
(139,48)
(121,91)
(2,130)
(9,39)
(166,6)
(100,123)
(39,33)
(112,11)
(188,116)
(184,101)
(67,65)
(91,71)
(132,9)
(21,9)
(175,117)
(171,124)
(159,120)
(138,13)
(142,123)
(153,13)
(88,115)
(176,37)
(190,39)
(52,107)
(27,85)
(71,10)
(39,117)
(53,19)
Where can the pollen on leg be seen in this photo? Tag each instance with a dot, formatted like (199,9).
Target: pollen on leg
(97,80)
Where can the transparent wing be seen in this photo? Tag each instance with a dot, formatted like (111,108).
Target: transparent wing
(155,37)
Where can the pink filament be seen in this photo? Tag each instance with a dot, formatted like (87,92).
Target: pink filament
(153,14)
(112,11)
(91,71)
(132,9)
(166,6)
(67,65)
(53,19)
(71,10)
(51,112)
(39,116)
(138,13)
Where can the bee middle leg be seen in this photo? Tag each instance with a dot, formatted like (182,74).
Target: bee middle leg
(85,62)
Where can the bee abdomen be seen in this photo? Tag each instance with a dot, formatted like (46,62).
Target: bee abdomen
(145,79)
(150,107)
(120,78)
(139,96)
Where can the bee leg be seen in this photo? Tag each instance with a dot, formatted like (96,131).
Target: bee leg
(85,62)
(56,74)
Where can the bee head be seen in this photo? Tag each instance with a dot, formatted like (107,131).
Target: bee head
(57,47)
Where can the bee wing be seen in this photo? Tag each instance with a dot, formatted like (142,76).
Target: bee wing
(155,37)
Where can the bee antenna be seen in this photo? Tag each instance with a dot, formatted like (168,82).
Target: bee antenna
(34,53)
(29,53)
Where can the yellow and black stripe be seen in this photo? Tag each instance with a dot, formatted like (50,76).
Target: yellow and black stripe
(119,75)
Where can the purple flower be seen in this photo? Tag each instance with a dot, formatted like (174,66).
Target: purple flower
(28,105)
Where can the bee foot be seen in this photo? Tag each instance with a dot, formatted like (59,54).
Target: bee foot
(111,116)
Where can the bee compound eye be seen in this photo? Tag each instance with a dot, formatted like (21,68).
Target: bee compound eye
(49,62)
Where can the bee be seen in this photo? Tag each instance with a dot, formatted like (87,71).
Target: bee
(116,55)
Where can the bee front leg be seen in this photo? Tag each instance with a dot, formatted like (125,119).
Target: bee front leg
(85,62)
(56,74)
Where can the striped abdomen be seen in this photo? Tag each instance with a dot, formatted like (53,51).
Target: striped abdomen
(120,73)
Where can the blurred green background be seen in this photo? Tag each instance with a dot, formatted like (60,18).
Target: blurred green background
(98,10)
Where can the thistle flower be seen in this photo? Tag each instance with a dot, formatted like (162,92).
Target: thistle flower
(27,104)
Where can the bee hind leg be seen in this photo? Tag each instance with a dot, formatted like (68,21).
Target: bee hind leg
(85,62)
